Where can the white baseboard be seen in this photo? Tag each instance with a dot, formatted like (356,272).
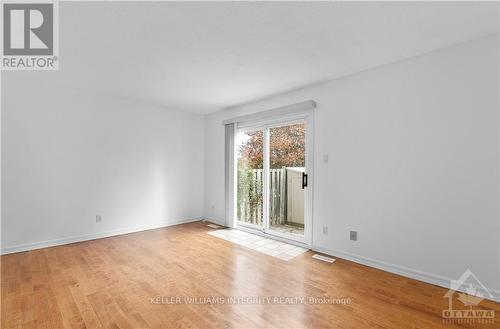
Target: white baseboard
(215,221)
(92,236)
(434,279)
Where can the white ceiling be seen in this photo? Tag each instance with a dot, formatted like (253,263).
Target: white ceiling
(202,57)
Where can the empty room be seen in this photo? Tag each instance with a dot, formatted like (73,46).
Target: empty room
(250,164)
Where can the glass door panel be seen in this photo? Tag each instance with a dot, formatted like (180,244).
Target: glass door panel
(287,167)
(250,178)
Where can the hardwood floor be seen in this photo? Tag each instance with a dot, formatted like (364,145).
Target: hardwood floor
(113,283)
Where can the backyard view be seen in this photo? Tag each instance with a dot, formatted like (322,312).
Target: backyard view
(286,164)
(250,183)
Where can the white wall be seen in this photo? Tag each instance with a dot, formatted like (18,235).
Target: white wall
(413,163)
(69,155)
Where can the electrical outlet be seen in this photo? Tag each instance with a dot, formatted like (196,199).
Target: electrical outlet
(212,208)
(325,158)
(325,230)
(98,218)
(354,236)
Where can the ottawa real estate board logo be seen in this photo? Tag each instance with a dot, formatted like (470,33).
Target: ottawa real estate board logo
(30,36)
(465,299)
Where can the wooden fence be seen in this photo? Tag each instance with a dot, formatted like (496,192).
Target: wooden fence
(250,184)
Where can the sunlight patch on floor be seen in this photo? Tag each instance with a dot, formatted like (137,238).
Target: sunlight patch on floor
(278,249)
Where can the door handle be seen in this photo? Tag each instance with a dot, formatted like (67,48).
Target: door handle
(304,180)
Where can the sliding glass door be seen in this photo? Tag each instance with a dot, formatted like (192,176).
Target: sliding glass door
(272,179)
(250,178)
(287,170)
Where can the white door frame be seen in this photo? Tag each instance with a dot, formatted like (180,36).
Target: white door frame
(284,120)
